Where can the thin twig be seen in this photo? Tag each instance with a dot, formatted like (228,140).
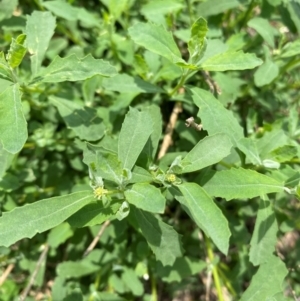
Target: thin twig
(35,272)
(213,86)
(169,130)
(190,122)
(96,239)
(6,273)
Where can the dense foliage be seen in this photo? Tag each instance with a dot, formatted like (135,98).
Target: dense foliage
(149,150)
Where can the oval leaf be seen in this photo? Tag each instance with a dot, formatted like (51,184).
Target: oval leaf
(239,183)
(206,214)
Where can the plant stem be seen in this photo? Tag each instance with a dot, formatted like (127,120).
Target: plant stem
(153,288)
(214,270)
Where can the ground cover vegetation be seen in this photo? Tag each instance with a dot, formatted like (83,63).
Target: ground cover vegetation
(149,150)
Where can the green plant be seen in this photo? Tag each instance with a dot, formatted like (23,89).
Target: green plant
(147,193)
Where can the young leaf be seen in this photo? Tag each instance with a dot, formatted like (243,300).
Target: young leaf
(267,282)
(132,282)
(103,164)
(207,151)
(5,71)
(141,175)
(156,39)
(214,117)
(16,51)
(197,42)
(72,68)
(231,60)
(164,241)
(40,216)
(13,125)
(239,183)
(39,30)
(146,197)
(206,214)
(264,237)
(291,49)
(125,83)
(82,120)
(136,129)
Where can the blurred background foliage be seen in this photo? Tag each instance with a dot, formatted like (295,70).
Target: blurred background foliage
(264,100)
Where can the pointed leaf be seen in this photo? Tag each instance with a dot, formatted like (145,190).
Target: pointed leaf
(16,51)
(39,30)
(239,183)
(125,83)
(206,214)
(291,49)
(156,39)
(164,241)
(72,68)
(62,9)
(146,197)
(267,282)
(207,151)
(264,238)
(214,117)
(13,125)
(136,129)
(40,216)
(197,42)
(231,60)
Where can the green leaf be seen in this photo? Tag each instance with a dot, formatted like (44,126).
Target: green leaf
(156,10)
(7,8)
(105,165)
(214,117)
(146,197)
(82,120)
(93,214)
(197,42)
(140,175)
(264,237)
(59,235)
(152,143)
(284,153)
(164,241)
(125,83)
(215,7)
(72,68)
(267,282)
(239,183)
(249,148)
(5,160)
(132,282)
(39,30)
(156,39)
(13,125)
(181,269)
(5,71)
(135,131)
(291,49)
(264,28)
(16,51)
(62,9)
(266,73)
(206,214)
(40,216)
(207,151)
(231,60)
